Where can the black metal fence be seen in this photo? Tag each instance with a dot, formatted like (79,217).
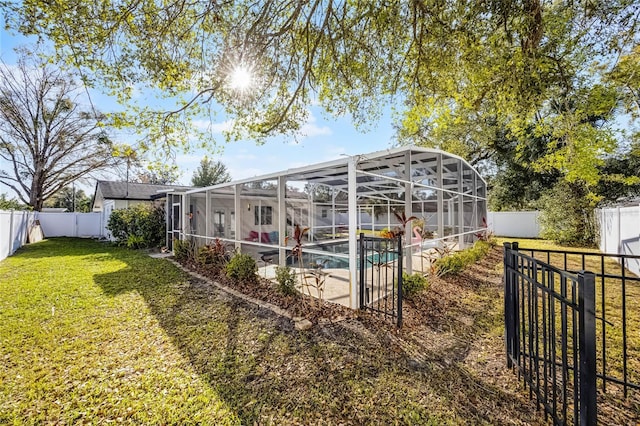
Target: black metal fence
(569,331)
(380,276)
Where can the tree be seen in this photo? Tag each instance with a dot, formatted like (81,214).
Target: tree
(74,200)
(568,215)
(458,73)
(48,140)
(621,175)
(210,173)
(451,65)
(7,203)
(158,176)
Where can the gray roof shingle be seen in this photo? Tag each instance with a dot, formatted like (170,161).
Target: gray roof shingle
(132,191)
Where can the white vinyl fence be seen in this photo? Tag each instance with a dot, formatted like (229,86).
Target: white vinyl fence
(514,224)
(14,229)
(15,226)
(620,233)
(71,224)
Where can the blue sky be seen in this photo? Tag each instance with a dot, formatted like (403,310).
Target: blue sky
(324,138)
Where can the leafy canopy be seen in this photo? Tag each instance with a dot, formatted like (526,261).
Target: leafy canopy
(72,199)
(457,73)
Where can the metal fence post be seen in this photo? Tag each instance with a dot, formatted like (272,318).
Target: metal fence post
(362,265)
(399,280)
(508,297)
(587,342)
(511,301)
(515,337)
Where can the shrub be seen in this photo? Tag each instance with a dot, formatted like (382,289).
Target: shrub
(286,279)
(568,216)
(184,250)
(135,241)
(139,226)
(452,264)
(456,262)
(413,284)
(242,267)
(213,256)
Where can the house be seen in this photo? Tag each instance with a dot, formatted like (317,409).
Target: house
(110,195)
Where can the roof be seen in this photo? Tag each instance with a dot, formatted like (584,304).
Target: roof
(133,191)
(385,162)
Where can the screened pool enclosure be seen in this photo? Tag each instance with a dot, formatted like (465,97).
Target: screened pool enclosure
(338,201)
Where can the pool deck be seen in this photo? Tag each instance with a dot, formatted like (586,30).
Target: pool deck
(336,286)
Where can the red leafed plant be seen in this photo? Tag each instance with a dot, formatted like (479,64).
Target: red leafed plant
(298,234)
(402,221)
(317,274)
(486,235)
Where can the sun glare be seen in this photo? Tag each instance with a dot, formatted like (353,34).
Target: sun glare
(240,79)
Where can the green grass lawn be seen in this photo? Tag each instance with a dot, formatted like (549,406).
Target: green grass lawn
(93,333)
(80,341)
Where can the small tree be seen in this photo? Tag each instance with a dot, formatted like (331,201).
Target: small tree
(163,176)
(210,173)
(7,203)
(65,198)
(568,216)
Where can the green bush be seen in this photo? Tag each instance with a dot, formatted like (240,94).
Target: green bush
(452,264)
(242,267)
(567,215)
(286,279)
(184,250)
(456,262)
(413,284)
(139,226)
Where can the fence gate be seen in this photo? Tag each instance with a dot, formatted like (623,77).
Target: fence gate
(380,275)
(550,329)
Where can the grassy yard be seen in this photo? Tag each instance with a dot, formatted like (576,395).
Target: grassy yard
(92,333)
(81,342)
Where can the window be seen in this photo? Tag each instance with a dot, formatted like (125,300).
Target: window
(324,213)
(263,215)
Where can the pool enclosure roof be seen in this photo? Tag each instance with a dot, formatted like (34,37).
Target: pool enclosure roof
(378,172)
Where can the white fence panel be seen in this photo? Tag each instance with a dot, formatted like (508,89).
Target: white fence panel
(15,226)
(57,224)
(514,224)
(620,233)
(71,224)
(5,239)
(14,229)
(89,224)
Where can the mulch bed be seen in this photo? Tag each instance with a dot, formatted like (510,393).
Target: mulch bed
(299,305)
(445,298)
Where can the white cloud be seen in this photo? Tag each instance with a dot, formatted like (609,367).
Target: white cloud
(311,129)
(216,128)
(188,159)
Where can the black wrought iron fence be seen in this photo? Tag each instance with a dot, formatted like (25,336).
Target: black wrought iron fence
(569,331)
(380,276)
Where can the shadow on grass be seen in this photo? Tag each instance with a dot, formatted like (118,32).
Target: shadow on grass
(267,372)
